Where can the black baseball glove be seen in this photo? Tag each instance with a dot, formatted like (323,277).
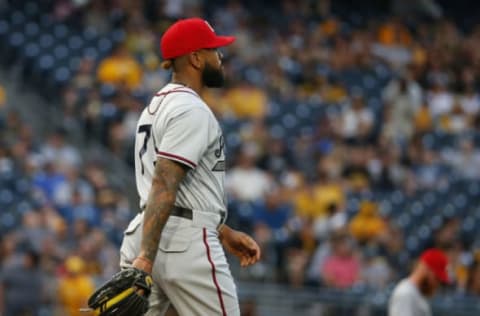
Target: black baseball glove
(126,293)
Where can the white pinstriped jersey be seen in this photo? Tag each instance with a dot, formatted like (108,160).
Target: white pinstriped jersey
(178,125)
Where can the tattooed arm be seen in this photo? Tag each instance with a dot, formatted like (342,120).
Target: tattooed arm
(166,179)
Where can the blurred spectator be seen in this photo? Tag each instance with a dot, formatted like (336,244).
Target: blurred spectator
(465,159)
(270,221)
(341,268)
(428,170)
(355,170)
(473,281)
(423,119)
(456,121)
(84,80)
(140,40)
(328,189)
(3,101)
(393,249)
(246,182)
(403,98)
(470,101)
(59,152)
(21,286)
(376,273)
(386,169)
(273,213)
(367,225)
(246,100)
(440,100)
(48,180)
(120,69)
(96,16)
(153,77)
(357,121)
(333,220)
(276,159)
(393,32)
(447,235)
(75,287)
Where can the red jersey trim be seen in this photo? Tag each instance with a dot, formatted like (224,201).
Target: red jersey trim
(185,161)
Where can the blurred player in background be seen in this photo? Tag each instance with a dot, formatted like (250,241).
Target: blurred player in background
(410,296)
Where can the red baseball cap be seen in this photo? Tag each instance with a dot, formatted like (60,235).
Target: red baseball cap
(437,261)
(189,35)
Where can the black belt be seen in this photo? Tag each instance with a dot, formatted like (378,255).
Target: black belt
(182,212)
(188,213)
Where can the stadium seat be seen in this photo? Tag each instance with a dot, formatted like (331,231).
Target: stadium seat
(60,31)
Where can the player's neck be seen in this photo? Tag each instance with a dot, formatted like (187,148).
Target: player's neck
(187,82)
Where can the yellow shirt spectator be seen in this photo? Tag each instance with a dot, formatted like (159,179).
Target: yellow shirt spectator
(3,97)
(314,202)
(367,224)
(75,289)
(120,68)
(423,120)
(247,101)
(306,206)
(215,100)
(394,33)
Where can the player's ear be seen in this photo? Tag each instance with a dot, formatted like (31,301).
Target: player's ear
(196,60)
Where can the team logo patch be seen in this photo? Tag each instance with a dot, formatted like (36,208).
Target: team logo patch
(219,166)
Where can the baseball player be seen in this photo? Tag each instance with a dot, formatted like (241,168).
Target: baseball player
(180,170)
(409,298)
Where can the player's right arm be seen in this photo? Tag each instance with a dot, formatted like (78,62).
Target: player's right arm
(165,182)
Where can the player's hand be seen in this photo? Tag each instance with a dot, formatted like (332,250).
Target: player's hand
(143,264)
(240,245)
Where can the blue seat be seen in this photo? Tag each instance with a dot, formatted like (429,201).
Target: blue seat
(46,62)
(104,46)
(46,41)
(31,9)
(75,42)
(16,40)
(412,244)
(90,52)
(60,31)
(468,224)
(90,34)
(6,196)
(424,232)
(61,51)
(7,221)
(22,186)
(62,75)
(473,189)
(17,18)
(31,30)
(4,28)
(303,111)
(277,131)
(436,222)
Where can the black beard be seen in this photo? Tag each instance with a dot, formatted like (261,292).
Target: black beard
(212,77)
(426,288)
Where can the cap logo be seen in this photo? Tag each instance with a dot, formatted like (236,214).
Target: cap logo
(209,26)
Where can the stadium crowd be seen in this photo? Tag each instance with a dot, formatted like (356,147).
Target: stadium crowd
(374,91)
